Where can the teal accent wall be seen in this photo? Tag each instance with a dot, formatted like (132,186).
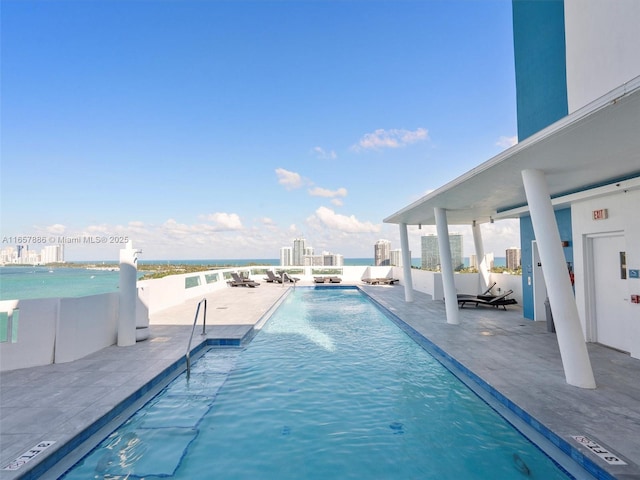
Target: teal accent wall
(540,64)
(563,219)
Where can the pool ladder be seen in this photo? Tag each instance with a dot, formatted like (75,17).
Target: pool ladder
(204,326)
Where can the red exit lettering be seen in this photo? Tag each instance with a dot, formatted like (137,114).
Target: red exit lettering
(600,214)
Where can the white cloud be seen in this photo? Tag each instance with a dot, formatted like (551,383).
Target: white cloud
(323,154)
(323,192)
(136,227)
(173,228)
(225,221)
(337,202)
(290,180)
(394,138)
(56,229)
(103,229)
(506,142)
(342,223)
(499,236)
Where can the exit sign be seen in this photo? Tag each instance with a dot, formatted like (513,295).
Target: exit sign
(600,214)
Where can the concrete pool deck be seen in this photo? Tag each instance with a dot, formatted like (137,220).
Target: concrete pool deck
(513,355)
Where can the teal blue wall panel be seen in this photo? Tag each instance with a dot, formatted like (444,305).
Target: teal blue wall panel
(563,219)
(540,63)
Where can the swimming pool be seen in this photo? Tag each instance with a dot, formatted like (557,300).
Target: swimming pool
(330,388)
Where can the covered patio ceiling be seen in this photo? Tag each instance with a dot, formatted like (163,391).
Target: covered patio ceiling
(596,145)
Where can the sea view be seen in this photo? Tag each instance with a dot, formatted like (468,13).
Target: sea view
(25,281)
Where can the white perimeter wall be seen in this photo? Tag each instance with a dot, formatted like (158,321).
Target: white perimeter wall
(56,330)
(431,283)
(86,325)
(622,217)
(36,335)
(602,47)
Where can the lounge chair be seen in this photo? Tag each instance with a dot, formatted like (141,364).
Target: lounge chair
(287,278)
(331,279)
(272,277)
(498,301)
(238,281)
(249,283)
(380,281)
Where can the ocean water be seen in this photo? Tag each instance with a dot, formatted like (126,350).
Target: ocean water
(44,282)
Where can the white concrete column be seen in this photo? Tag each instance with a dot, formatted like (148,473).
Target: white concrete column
(128,296)
(406,263)
(448,283)
(483,268)
(573,349)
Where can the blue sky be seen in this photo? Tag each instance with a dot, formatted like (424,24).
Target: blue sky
(225,129)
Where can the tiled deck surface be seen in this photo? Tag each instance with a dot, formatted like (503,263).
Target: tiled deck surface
(515,356)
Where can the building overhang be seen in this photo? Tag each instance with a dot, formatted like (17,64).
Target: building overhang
(596,146)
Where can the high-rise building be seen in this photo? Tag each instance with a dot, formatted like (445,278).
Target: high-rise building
(382,252)
(514,257)
(298,251)
(52,254)
(301,255)
(457,260)
(431,252)
(325,259)
(286,256)
(396,257)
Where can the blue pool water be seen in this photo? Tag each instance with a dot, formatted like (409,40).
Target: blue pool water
(330,388)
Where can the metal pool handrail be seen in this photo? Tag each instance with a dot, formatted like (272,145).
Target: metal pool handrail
(204,326)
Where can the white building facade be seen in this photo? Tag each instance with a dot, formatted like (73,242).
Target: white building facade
(286,256)
(382,253)
(573,179)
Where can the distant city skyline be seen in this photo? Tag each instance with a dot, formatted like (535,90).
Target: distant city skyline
(302,255)
(24,255)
